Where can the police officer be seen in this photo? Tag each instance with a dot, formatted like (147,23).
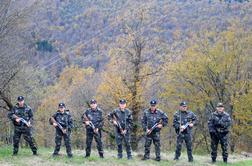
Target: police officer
(93,120)
(21,116)
(183,122)
(153,120)
(218,125)
(62,121)
(122,120)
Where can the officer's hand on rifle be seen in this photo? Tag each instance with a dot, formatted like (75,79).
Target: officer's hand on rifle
(124,131)
(29,124)
(191,125)
(64,131)
(17,120)
(87,122)
(55,124)
(114,122)
(148,131)
(96,130)
(159,126)
(182,128)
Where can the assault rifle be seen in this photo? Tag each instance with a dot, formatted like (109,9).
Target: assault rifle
(22,120)
(52,120)
(90,123)
(118,124)
(153,127)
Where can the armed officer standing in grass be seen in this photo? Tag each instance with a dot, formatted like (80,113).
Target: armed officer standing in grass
(153,120)
(93,120)
(21,116)
(183,122)
(218,125)
(62,121)
(123,122)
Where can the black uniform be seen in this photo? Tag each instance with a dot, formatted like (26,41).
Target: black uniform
(219,124)
(126,121)
(95,116)
(65,120)
(20,128)
(149,119)
(181,118)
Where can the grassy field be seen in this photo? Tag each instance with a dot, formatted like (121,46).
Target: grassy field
(25,158)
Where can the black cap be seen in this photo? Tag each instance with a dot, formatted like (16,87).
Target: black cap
(220,105)
(20,98)
(153,102)
(183,103)
(93,101)
(122,101)
(61,105)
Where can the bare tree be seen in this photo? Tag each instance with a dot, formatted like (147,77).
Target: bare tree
(12,24)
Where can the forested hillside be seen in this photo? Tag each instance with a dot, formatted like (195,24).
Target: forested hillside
(74,50)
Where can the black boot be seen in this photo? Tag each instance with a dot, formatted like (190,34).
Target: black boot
(119,156)
(129,157)
(190,159)
(14,154)
(55,154)
(145,158)
(176,158)
(87,154)
(213,160)
(101,155)
(225,160)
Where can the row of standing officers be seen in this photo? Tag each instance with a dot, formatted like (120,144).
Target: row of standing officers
(153,121)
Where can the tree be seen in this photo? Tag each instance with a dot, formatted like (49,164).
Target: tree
(134,58)
(12,24)
(69,89)
(214,69)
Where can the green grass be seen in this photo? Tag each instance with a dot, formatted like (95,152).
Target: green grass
(25,158)
(239,163)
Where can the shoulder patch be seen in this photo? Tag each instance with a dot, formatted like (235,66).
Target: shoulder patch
(128,110)
(99,109)
(214,113)
(146,110)
(190,112)
(227,114)
(176,113)
(160,111)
